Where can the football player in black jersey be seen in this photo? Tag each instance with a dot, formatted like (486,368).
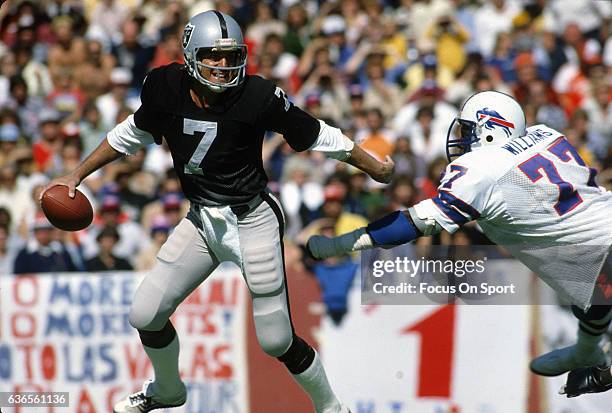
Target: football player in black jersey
(213,117)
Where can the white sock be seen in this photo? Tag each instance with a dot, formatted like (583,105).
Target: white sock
(314,382)
(168,385)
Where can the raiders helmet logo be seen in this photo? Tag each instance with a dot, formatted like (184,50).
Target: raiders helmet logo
(187,34)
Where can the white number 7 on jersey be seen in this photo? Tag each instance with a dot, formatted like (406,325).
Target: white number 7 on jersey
(190,127)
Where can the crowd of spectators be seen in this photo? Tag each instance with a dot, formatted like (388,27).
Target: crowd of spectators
(391,74)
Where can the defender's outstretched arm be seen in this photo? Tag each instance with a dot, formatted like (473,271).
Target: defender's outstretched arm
(396,228)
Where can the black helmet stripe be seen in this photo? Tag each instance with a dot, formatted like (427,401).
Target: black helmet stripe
(223,24)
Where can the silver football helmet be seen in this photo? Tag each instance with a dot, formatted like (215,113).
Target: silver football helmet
(213,35)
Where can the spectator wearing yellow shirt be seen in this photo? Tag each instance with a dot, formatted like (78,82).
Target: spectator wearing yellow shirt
(449,37)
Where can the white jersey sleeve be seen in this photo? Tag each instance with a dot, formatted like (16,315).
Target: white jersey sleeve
(127,138)
(464,195)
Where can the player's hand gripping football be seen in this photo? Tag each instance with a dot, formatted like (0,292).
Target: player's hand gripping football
(70,180)
(587,380)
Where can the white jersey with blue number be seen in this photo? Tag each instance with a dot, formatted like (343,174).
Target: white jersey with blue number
(536,197)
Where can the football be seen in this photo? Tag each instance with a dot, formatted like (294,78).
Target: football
(65,213)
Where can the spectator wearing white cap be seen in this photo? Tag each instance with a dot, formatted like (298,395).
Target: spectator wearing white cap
(111,103)
(43,253)
(333,29)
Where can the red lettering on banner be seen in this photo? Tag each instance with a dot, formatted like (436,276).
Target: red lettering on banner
(21,388)
(21,332)
(110,396)
(199,361)
(198,322)
(216,295)
(225,370)
(207,326)
(236,283)
(47,360)
(27,352)
(138,363)
(437,333)
(369,309)
(209,363)
(194,298)
(21,280)
(85,405)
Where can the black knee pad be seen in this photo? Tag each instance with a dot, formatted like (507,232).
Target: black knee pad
(595,313)
(299,356)
(158,339)
(595,321)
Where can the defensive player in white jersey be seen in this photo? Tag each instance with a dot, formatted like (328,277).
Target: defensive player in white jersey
(529,191)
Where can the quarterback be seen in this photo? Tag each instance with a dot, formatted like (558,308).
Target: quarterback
(530,191)
(213,117)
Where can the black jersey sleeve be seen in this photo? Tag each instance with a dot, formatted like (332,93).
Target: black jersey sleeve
(152,115)
(299,129)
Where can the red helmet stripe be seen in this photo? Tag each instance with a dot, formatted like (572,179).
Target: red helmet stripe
(499,121)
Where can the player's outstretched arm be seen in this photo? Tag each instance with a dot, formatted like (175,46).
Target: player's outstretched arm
(379,171)
(396,228)
(102,155)
(125,138)
(335,144)
(587,380)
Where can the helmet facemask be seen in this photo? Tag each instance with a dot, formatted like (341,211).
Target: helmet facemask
(215,77)
(462,134)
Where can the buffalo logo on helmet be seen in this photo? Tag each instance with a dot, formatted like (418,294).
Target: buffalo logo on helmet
(495,120)
(187,34)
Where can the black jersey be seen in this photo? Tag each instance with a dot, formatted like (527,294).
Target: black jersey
(217,151)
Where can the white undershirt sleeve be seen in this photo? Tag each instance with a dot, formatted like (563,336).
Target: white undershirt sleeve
(127,138)
(332,142)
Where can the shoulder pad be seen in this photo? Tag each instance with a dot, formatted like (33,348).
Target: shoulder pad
(253,99)
(162,86)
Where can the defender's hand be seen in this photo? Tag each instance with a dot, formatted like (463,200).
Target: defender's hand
(386,171)
(586,380)
(70,180)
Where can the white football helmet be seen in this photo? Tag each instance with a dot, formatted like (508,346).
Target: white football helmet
(486,119)
(210,33)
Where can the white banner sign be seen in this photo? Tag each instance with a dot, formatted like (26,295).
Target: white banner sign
(429,359)
(70,333)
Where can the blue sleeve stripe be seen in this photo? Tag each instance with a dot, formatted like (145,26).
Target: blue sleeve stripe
(459,204)
(450,212)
